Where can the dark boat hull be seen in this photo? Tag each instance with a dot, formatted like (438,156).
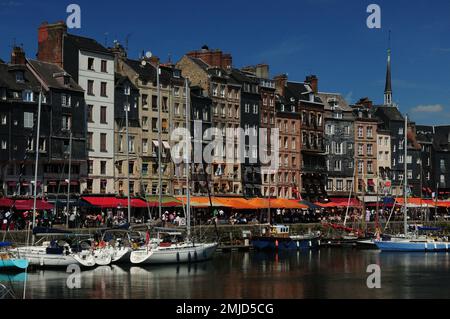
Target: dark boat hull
(274,243)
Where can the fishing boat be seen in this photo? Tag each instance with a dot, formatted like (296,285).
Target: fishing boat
(8,262)
(277,237)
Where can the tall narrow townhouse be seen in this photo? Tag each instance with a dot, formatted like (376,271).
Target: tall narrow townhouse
(92,66)
(142,74)
(224,169)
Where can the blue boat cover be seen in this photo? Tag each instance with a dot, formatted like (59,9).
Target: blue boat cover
(5,244)
(430,229)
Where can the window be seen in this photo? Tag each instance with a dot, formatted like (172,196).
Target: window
(90,87)
(102,168)
(20,76)
(205,115)
(155,102)
(104,66)
(177,91)
(370,149)
(66,100)
(27,96)
(410,174)
(103,184)
(91,64)
(66,122)
(164,104)
(370,167)
(131,144)
(360,149)
(126,90)
(400,131)
(360,132)
(347,130)
(330,185)
(339,148)
(360,167)
(255,109)
(370,132)
(339,185)
(90,110)
(4,145)
(144,146)
(338,166)
(145,122)
(215,90)
(222,91)
(131,167)
(90,141)
(145,171)
(103,115)
(103,89)
(247,108)
(4,119)
(144,101)
(155,125)
(103,142)
(349,185)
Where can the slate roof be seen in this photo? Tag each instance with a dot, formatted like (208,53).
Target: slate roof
(87,44)
(147,72)
(8,78)
(299,91)
(47,71)
(341,102)
(392,113)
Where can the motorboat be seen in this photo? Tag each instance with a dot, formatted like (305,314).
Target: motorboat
(277,237)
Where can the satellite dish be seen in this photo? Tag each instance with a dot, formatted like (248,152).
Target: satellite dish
(143,63)
(148,54)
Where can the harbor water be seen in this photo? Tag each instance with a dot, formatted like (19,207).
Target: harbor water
(329,273)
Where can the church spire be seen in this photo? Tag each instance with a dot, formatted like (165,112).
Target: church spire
(388,87)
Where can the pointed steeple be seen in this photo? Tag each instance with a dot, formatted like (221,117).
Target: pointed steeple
(388,87)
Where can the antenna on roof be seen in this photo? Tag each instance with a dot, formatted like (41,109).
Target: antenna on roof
(148,55)
(106,38)
(127,40)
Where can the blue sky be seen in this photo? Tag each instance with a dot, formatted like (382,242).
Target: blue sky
(328,38)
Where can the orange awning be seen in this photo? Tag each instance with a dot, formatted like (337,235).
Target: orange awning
(417,202)
(235,203)
(203,202)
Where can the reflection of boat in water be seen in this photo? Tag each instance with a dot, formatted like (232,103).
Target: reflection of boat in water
(9,262)
(277,238)
(14,277)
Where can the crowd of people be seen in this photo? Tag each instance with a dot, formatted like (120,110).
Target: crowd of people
(20,220)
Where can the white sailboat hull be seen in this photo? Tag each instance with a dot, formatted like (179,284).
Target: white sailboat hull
(103,257)
(120,255)
(37,256)
(177,254)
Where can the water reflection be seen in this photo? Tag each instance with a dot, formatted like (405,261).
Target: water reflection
(329,273)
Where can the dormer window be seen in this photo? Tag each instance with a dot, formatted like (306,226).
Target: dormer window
(27,96)
(66,80)
(20,76)
(176,74)
(127,90)
(3,93)
(66,100)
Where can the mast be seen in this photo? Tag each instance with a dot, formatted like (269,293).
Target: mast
(188,154)
(159,140)
(127,105)
(405,186)
(69,178)
(38,132)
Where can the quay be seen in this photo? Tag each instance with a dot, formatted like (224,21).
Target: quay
(237,237)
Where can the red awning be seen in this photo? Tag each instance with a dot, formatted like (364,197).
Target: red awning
(103,202)
(29,204)
(344,202)
(6,202)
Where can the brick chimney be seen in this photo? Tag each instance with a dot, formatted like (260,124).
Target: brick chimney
(213,57)
(50,42)
(313,81)
(281,83)
(18,56)
(365,102)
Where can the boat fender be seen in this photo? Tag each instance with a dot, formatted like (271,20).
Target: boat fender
(298,244)
(310,244)
(276,243)
(42,261)
(426,246)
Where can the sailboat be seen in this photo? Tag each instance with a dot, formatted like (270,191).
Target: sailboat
(410,242)
(166,249)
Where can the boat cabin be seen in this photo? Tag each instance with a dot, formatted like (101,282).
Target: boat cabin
(280,231)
